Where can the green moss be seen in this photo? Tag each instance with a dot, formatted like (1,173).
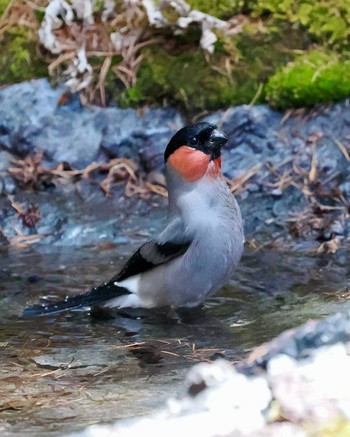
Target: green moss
(18,58)
(234,74)
(217,8)
(39,15)
(325,20)
(270,59)
(186,80)
(312,78)
(3,6)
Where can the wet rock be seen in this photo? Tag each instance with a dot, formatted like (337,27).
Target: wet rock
(72,220)
(9,185)
(345,188)
(276,152)
(23,105)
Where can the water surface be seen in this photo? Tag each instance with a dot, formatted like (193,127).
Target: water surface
(61,373)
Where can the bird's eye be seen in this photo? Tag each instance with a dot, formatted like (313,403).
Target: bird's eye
(194,141)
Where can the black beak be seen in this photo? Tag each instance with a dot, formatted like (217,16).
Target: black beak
(216,141)
(218,138)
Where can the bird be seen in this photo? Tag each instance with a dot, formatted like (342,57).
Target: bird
(200,246)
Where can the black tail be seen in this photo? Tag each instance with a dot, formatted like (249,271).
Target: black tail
(96,295)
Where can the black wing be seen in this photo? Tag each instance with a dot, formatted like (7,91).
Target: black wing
(150,255)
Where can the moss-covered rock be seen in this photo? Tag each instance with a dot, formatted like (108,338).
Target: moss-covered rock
(314,77)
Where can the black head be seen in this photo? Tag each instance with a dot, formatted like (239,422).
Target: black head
(201,136)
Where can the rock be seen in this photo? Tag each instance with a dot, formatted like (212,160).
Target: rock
(300,342)
(284,165)
(32,118)
(252,132)
(312,390)
(143,137)
(5,162)
(71,359)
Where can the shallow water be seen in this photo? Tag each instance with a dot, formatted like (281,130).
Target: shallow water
(61,373)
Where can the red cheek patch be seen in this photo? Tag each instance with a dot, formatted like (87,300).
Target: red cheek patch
(190,163)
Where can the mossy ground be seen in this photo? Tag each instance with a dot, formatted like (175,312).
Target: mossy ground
(235,73)
(287,53)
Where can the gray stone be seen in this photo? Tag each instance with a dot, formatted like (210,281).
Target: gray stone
(32,119)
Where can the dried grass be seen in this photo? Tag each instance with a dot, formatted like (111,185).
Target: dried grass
(33,175)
